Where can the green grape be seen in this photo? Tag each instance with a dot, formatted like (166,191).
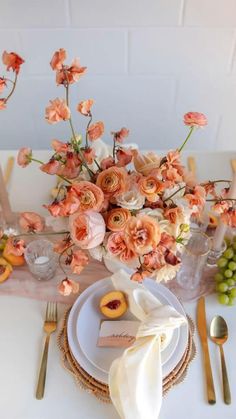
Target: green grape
(228,241)
(234,245)
(223,299)
(228,273)
(219,277)
(232,293)
(222,287)
(234,258)
(222,262)
(231,301)
(234,276)
(230,282)
(232,265)
(229,253)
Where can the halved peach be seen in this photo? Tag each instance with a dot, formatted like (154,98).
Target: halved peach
(113,304)
(5,269)
(13,259)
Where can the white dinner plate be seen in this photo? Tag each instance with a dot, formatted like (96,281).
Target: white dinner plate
(160,292)
(87,337)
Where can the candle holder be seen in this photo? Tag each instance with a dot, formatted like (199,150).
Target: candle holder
(41,259)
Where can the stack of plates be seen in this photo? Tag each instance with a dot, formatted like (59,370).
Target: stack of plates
(84,324)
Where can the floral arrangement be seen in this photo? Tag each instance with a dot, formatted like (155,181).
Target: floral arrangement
(114,202)
(13,62)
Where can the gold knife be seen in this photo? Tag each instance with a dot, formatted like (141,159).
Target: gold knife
(202,330)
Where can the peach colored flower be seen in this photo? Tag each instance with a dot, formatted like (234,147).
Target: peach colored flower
(59,146)
(210,189)
(221,207)
(57,111)
(85,107)
(68,286)
(195,119)
(15,246)
(12,61)
(95,131)
(2,104)
(79,261)
(229,217)
(116,243)
(31,221)
(151,188)
(69,75)
(142,234)
(89,155)
(120,136)
(24,156)
(2,84)
(146,163)
(117,218)
(55,208)
(172,214)
(72,166)
(128,255)
(51,168)
(69,205)
(87,229)
(167,241)
(89,195)
(112,181)
(107,162)
(140,275)
(62,245)
(197,198)
(124,157)
(154,260)
(58,59)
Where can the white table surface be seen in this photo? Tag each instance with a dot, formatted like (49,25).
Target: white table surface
(21,334)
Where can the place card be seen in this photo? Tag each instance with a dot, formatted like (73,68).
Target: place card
(117,333)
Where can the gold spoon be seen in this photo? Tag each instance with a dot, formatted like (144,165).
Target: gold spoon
(219,335)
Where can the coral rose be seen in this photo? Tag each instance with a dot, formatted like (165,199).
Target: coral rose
(89,195)
(112,181)
(151,188)
(79,261)
(2,104)
(57,111)
(142,234)
(117,219)
(95,131)
(68,286)
(24,156)
(12,61)
(58,59)
(31,221)
(195,119)
(85,107)
(87,229)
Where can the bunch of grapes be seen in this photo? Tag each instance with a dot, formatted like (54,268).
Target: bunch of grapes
(226,276)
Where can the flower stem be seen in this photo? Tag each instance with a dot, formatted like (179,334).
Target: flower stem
(12,90)
(173,194)
(46,233)
(187,138)
(41,162)
(86,138)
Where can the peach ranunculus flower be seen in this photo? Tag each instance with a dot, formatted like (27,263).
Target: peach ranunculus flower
(59,146)
(87,229)
(12,61)
(145,163)
(78,261)
(58,59)
(117,218)
(2,84)
(24,156)
(85,107)
(142,234)
(195,119)
(89,195)
(57,111)
(120,136)
(70,74)
(51,168)
(112,181)
(95,131)
(31,221)
(151,188)
(15,246)
(68,286)
(2,104)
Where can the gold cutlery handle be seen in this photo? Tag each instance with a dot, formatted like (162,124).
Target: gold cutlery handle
(43,370)
(209,379)
(226,389)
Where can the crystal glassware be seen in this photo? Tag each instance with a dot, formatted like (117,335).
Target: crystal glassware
(215,254)
(41,259)
(193,260)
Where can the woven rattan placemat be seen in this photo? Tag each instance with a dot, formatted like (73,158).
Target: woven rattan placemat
(101,390)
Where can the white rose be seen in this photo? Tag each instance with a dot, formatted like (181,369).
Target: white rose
(157,213)
(132,200)
(166,273)
(97,252)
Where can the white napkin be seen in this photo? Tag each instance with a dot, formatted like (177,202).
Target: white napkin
(135,379)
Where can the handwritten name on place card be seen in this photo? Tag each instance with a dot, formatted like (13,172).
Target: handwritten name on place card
(120,333)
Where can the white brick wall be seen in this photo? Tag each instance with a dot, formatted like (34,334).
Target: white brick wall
(149,62)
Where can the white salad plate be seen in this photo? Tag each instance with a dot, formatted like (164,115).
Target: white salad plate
(84,324)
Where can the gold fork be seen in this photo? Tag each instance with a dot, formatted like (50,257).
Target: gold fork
(49,327)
